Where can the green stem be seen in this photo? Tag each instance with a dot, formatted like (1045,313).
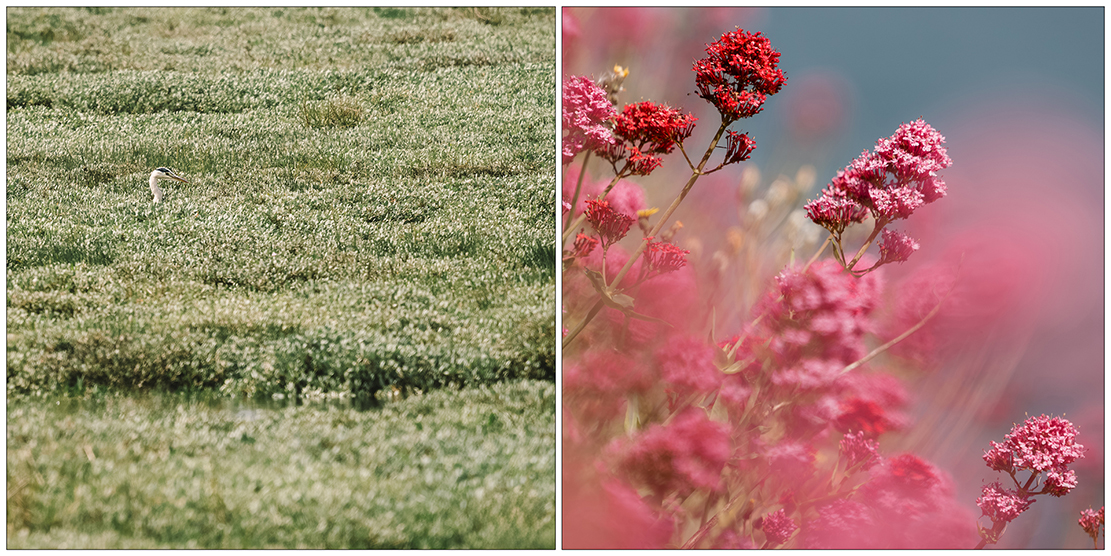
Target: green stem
(578,188)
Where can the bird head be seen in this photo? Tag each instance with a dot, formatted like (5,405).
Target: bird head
(166,173)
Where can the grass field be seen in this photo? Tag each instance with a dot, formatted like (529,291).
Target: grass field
(368,224)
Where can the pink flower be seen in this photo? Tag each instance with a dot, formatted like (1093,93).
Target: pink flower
(681,457)
(624,197)
(646,130)
(1000,504)
(1059,483)
(610,224)
(687,366)
(858,450)
(738,74)
(834,212)
(999,457)
(1043,443)
(611,516)
(896,247)
(778,527)
(893,181)
(1091,521)
(586,109)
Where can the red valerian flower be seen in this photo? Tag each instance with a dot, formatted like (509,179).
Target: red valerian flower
(1044,443)
(1091,521)
(1002,505)
(739,147)
(859,450)
(610,224)
(896,247)
(778,527)
(663,257)
(895,179)
(835,212)
(584,244)
(738,74)
(586,111)
(646,130)
(683,456)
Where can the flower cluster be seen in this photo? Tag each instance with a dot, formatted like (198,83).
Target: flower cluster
(646,130)
(663,257)
(898,176)
(739,72)
(1044,446)
(586,113)
(778,527)
(890,183)
(610,224)
(1092,521)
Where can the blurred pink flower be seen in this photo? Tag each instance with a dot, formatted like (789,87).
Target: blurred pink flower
(896,247)
(1091,521)
(858,450)
(686,455)
(610,516)
(687,365)
(778,527)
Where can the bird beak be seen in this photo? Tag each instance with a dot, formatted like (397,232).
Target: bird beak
(176,177)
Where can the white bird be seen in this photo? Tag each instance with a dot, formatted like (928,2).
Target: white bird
(162,173)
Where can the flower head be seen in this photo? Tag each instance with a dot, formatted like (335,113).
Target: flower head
(586,110)
(859,450)
(646,130)
(896,247)
(892,181)
(610,224)
(1091,521)
(584,244)
(1059,483)
(739,72)
(999,457)
(663,257)
(778,527)
(685,455)
(1043,443)
(835,212)
(1000,504)
(739,147)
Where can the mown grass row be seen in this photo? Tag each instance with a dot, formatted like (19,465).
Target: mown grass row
(447,469)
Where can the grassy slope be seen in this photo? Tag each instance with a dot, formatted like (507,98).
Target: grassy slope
(308,255)
(439,470)
(411,250)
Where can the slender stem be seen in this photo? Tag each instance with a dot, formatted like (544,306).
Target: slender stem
(983,542)
(578,188)
(816,254)
(578,221)
(674,204)
(875,231)
(579,328)
(900,337)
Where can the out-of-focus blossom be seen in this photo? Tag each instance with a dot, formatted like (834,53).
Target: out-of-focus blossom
(681,457)
(610,224)
(586,111)
(646,130)
(778,527)
(610,517)
(858,450)
(625,196)
(1091,521)
(663,257)
(896,247)
(687,365)
(739,72)
(1000,504)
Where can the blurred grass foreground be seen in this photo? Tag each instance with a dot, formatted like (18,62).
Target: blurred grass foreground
(339,334)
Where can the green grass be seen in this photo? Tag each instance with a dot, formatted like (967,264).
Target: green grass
(441,470)
(370,209)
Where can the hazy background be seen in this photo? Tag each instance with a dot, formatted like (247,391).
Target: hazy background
(1019,95)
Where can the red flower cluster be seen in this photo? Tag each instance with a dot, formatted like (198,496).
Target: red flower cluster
(646,130)
(683,456)
(610,224)
(663,257)
(739,147)
(738,74)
